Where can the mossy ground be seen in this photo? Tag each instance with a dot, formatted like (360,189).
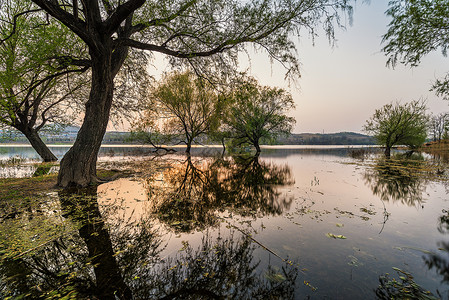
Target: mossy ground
(27,188)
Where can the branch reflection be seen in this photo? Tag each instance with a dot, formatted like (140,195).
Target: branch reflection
(438,261)
(397,180)
(198,190)
(85,257)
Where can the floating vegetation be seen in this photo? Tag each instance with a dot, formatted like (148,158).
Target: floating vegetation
(350,214)
(336,236)
(274,275)
(367,211)
(404,288)
(354,261)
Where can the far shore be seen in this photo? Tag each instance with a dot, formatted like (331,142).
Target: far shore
(8,145)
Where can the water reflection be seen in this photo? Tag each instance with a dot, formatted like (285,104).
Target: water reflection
(82,208)
(437,261)
(221,270)
(405,287)
(196,191)
(397,180)
(74,252)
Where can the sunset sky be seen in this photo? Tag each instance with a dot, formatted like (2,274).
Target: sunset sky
(341,87)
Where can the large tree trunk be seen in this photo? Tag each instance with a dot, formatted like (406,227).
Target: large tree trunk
(387,152)
(258,150)
(188,148)
(78,166)
(38,145)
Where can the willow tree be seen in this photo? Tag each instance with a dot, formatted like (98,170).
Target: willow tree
(206,35)
(183,107)
(33,87)
(417,28)
(399,124)
(258,113)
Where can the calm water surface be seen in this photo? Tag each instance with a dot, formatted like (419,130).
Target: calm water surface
(291,224)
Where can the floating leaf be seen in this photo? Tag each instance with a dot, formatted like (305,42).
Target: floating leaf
(339,225)
(307,283)
(367,211)
(335,236)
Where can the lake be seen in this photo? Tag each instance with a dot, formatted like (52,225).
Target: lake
(294,223)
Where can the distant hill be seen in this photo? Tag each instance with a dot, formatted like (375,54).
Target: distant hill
(340,138)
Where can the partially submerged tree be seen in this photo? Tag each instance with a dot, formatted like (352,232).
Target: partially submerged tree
(399,124)
(438,126)
(33,84)
(417,28)
(258,112)
(204,34)
(182,106)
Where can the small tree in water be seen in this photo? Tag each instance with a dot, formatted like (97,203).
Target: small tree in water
(182,107)
(399,124)
(258,112)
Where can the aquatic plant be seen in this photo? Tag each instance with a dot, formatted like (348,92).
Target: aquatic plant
(404,288)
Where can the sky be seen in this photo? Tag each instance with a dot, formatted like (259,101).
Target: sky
(340,87)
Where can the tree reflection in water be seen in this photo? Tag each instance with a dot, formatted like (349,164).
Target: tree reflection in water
(438,261)
(198,190)
(221,270)
(87,258)
(405,287)
(397,180)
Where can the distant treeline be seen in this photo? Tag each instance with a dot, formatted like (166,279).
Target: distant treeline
(66,137)
(115,137)
(341,138)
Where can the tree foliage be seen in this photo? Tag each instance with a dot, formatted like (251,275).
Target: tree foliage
(399,124)
(205,35)
(439,125)
(417,28)
(33,83)
(182,107)
(258,112)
